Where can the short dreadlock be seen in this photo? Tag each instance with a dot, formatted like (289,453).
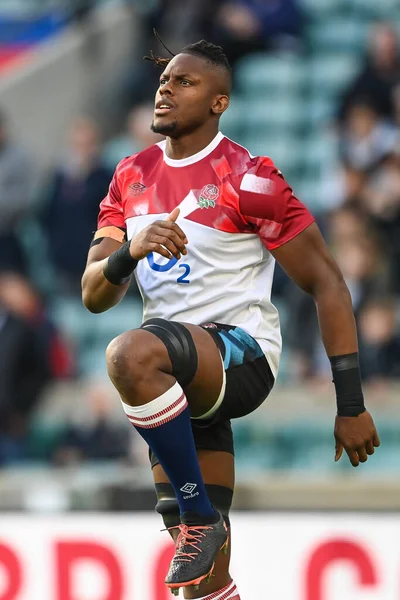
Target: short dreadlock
(210,52)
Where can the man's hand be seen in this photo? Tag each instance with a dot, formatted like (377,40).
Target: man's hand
(164,237)
(356,435)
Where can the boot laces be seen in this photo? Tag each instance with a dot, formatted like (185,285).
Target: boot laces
(189,535)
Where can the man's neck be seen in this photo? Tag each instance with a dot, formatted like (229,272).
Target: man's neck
(185,146)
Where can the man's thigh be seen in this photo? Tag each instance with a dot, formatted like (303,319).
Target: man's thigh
(194,360)
(221,368)
(248,376)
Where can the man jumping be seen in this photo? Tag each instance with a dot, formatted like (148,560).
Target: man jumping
(209,347)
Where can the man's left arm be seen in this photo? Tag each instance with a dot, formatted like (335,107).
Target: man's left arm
(308,262)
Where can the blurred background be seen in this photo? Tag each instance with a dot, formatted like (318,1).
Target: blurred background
(317,88)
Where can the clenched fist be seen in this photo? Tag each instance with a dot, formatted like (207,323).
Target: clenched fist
(356,435)
(164,237)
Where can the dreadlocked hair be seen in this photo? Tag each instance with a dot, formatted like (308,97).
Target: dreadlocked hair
(210,52)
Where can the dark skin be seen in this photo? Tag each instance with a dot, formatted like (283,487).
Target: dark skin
(138,362)
(198,94)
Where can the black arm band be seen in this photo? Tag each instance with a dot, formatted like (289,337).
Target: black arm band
(120,266)
(347,380)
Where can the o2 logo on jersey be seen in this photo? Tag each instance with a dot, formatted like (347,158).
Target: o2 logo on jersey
(168,266)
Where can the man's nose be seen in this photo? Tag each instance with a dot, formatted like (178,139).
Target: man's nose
(166,88)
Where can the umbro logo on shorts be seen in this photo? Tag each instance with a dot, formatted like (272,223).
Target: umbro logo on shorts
(136,189)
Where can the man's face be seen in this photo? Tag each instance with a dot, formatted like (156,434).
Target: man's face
(187,96)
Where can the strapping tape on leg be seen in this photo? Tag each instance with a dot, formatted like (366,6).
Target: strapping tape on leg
(180,346)
(167,505)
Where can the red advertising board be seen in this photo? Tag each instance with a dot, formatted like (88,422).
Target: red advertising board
(125,557)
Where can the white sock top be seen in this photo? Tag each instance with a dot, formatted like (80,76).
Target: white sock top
(160,410)
(229,592)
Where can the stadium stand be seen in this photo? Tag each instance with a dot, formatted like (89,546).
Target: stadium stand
(283,105)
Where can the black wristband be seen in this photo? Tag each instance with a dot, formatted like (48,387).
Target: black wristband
(347,380)
(120,265)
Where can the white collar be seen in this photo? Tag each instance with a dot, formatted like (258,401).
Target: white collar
(190,160)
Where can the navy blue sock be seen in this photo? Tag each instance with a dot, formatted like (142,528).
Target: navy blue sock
(165,425)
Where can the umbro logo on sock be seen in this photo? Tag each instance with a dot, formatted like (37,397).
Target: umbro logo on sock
(189,488)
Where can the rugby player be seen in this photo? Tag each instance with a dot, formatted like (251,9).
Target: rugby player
(199,222)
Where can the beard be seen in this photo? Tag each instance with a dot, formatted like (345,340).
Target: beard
(164,128)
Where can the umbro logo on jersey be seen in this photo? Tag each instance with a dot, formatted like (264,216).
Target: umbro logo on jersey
(136,189)
(208,196)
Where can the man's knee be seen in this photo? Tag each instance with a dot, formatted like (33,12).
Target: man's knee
(130,355)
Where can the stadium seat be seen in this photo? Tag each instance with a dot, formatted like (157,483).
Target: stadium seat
(93,361)
(267,116)
(308,191)
(321,111)
(71,317)
(232,121)
(285,151)
(320,150)
(323,9)
(371,9)
(89,333)
(329,74)
(42,439)
(338,35)
(275,75)
(122,317)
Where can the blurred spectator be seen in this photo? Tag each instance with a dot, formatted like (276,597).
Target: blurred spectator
(240,27)
(361,143)
(366,139)
(31,355)
(181,23)
(78,186)
(248,26)
(354,181)
(396,103)
(100,437)
(380,74)
(137,136)
(178,23)
(382,202)
(382,192)
(379,340)
(340,182)
(81,9)
(15,199)
(364,268)
(347,223)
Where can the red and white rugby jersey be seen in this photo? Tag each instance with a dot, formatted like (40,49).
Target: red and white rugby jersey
(234,209)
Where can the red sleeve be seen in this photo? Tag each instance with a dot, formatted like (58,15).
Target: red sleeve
(268,204)
(111,209)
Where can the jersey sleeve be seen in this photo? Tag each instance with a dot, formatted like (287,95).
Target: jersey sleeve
(268,205)
(111,207)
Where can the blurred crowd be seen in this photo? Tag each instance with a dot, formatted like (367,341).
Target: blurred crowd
(361,222)
(362,188)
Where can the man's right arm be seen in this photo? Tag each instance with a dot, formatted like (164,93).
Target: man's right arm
(163,237)
(98,294)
